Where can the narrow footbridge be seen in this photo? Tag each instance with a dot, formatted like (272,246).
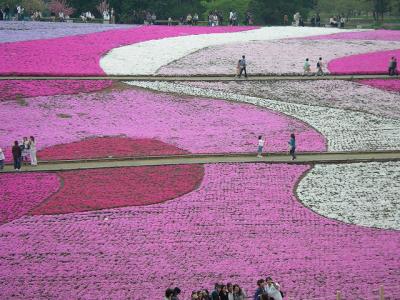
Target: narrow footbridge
(275,158)
(220,77)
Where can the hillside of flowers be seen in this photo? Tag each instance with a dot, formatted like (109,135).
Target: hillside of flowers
(112,233)
(344,130)
(212,234)
(195,124)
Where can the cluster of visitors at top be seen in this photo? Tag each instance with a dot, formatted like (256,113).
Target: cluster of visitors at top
(17,14)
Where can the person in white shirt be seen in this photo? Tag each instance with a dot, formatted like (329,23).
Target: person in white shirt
(273,289)
(2,159)
(261,143)
(230,290)
(32,150)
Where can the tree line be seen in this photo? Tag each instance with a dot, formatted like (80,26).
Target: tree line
(268,12)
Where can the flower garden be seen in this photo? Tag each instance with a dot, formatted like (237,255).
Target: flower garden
(107,233)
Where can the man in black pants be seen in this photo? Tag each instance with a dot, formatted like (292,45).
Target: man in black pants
(242,64)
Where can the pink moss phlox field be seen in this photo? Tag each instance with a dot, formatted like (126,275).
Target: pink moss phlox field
(19,193)
(193,124)
(87,190)
(80,55)
(12,89)
(388,85)
(368,63)
(374,35)
(101,147)
(241,224)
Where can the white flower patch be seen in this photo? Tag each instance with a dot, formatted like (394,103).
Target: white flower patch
(147,57)
(365,194)
(344,130)
(271,57)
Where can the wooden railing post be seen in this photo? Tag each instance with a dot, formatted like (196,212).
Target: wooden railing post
(338,296)
(381,293)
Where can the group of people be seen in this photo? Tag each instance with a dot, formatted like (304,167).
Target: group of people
(23,152)
(266,290)
(337,21)
(319,67)
(16,14)
(291,144)
(215,18)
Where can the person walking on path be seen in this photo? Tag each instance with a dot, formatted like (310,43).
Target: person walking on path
(320,65)
(17,153)
(261,144)
(393,66)
(307,67)
(292,145)
(2,159)
(32,151)
(243,66)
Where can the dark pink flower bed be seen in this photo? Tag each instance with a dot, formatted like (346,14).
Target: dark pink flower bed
(12,89)
(100,147)
(19,193)
(87,190)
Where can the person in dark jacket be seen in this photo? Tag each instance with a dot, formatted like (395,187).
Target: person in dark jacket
(17,154)
(215,293)
(259,294)
(292,145)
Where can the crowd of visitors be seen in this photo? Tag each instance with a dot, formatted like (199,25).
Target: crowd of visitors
(23,152)
(266,290)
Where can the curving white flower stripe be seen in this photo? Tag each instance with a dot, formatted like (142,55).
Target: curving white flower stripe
(365,194)
(147,57)
(344,130)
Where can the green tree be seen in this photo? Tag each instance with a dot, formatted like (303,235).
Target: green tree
(271,12)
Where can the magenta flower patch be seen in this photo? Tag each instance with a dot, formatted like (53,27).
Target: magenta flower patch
(388,85)
(16,89)
(20,193)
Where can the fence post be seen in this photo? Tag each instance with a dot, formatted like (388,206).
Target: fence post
(338,296)
(381,293)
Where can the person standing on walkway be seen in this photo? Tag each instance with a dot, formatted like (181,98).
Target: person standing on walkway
(392,66)
(307,67)
(2,159)
(32,151)
(25,150)
(320,65)
(261,144)
(292,146)
(17,153)
(243,66)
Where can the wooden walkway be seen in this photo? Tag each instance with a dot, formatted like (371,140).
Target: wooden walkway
(276,158)
(221,77)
